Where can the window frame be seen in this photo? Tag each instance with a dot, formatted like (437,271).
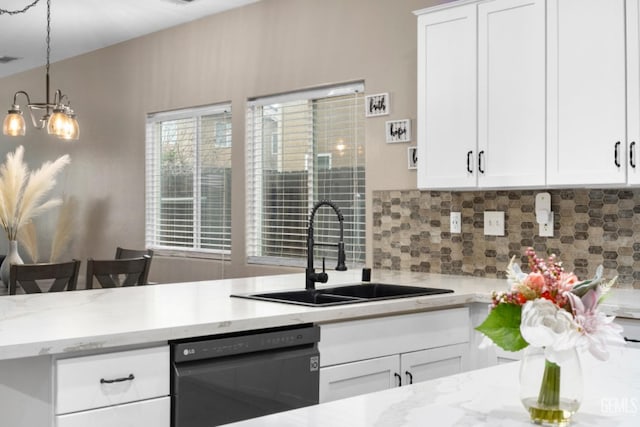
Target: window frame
(153,160)
(253,198)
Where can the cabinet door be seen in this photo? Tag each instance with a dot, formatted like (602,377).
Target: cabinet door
(352,379)
(586,92)
(631,331)
(447,98)
(503,356)
(633,92)
(433,363)
(511,93)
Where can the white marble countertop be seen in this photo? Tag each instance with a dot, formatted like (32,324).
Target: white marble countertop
(484,397)
(55,323)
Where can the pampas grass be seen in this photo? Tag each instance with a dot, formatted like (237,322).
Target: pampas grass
(28,239)
(22,193)
(64,228)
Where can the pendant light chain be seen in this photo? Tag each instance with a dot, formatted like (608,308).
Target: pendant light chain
(48,35)
(16,12)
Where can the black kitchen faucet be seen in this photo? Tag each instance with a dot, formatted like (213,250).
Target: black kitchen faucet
(311,276)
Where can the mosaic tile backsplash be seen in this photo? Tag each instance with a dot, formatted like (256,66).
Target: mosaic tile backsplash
(591,227)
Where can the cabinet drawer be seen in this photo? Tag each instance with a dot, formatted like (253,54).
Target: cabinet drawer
(109,379)
(365,339)
(155,412)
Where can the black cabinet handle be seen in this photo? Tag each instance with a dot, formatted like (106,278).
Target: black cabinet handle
(630,340)
(480,156)
(117,380)
(469,161)
(632,160)
(616,151)
(407,373)
(399,379)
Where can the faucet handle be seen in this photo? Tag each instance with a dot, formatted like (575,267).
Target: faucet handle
(323,277)
(341,257)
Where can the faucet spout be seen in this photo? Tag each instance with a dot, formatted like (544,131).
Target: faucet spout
(311,276)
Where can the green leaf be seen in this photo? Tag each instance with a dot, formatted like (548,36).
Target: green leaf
(502,326)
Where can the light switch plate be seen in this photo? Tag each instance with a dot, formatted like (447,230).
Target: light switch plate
(494,223)
(455,223)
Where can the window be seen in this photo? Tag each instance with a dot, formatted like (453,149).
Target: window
(301,148)
(188,180)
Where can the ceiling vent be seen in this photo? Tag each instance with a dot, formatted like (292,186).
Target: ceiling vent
(6,59)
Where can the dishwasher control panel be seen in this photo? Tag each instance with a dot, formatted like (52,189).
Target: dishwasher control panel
(252,341)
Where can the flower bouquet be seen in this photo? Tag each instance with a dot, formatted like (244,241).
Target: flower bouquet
(553,311)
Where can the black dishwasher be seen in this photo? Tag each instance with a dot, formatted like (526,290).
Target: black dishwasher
(225,378)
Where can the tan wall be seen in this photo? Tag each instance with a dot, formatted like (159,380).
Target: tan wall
(266,48)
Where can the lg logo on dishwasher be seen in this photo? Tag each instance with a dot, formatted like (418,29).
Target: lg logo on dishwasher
(314,363)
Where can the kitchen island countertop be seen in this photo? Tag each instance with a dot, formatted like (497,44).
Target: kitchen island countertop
(483,397)
(66,322)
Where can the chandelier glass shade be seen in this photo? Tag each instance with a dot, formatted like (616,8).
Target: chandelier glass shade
(14,122)
(59,118)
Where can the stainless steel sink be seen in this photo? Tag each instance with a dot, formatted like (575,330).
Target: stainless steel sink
(345,294)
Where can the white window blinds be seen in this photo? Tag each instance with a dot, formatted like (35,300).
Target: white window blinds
(305,147)
(188,180)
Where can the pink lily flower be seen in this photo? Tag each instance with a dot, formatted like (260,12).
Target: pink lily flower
(596,329)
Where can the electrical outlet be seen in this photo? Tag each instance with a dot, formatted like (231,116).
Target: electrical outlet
(494,223)
(546,230)
(455,223)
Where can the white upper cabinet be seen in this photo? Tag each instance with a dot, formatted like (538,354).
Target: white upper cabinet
(633,92)
(529,93)
(447,98)
(586,66)
(511,93)
(481,95)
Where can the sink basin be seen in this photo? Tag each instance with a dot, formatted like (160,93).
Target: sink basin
(345,294)
(302,297)
(383,290)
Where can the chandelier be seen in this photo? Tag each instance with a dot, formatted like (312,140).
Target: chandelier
(58,118)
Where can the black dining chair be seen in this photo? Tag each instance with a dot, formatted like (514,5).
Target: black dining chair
(49,277)
(122,253)
(132,253)
(113,273)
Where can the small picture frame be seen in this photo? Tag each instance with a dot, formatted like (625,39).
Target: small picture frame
(376,105)
(398,131)
(412,157)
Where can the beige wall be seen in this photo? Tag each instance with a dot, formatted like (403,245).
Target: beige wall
(269,47)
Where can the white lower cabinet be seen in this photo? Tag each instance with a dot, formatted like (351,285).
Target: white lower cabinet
(370,355)
(125,389)
(154,412)
(381,373)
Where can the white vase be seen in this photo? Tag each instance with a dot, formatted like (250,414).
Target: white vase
(13,257)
